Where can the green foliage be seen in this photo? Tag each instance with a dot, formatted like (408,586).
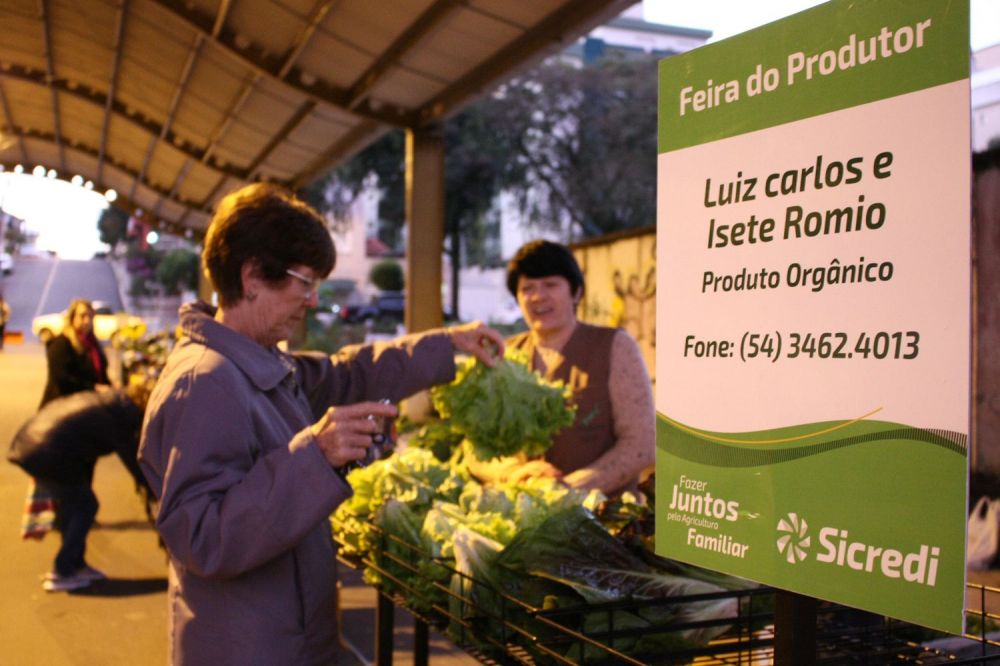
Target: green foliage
(140,286)
(587,136)
(381,165)
(387,275)
(437,437)
(177,271)
(330,339)
(141,265)
(506,409)
(412,476)
(572,144)
(584,564)
(112,225)
(14,237)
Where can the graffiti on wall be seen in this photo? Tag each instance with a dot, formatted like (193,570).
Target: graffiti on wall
(620,276)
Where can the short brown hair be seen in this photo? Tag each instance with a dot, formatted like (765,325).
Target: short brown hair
(268,225)
(543,258)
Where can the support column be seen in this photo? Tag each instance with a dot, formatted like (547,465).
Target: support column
(425,227)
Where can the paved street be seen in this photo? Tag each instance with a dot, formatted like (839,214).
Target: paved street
(121,620)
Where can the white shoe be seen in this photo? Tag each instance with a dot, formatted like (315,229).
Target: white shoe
(90,573)
(53,582)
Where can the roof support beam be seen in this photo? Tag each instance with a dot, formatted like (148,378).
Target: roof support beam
(256,58)
(178,180)
(352,142)
(112,85)
(171,110)
(48,137)
(420,28)
(548,36)
(115,108)
(220,131)
(11,127)
(50,75)
(220,18)
(282,134)
(425,219)
(303,38)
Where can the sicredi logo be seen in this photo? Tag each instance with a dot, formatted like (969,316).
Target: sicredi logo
(793,540)
(837,548)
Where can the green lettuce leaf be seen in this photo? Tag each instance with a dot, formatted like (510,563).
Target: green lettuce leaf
(506,409)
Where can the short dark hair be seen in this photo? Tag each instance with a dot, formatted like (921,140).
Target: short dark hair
(542,258)
(270,226)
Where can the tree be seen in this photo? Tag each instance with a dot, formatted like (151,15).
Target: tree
(113,224)
(387,275)
(141,264)
(575,145)
(178,271)
(380,165)
(586,139)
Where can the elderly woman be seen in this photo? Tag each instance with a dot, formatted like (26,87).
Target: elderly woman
(75,358)
(613,438)
(246,446)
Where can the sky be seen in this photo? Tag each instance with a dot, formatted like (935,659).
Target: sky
(66,217)
(726,18)
(63,214)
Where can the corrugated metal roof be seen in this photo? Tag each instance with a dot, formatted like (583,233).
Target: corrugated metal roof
(173,103)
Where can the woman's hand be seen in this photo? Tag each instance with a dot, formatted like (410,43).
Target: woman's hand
(345,433)
(479,340)
(584,478)
(532,469)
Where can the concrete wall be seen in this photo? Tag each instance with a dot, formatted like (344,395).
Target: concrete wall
(620,276)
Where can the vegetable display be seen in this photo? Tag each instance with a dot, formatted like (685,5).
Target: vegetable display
(459,551)
(506,409)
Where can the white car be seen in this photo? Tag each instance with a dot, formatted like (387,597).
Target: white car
(508,312)
(107,325)
(6,263)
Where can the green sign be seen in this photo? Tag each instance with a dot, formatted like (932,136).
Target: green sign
(813,332)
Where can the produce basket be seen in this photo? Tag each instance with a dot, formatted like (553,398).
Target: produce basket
(495,627)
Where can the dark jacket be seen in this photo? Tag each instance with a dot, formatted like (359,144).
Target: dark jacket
(69,371)
(63,441)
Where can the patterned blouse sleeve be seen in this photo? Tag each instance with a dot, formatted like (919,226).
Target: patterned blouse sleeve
(631,394)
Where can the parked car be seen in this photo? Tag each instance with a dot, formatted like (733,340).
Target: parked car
(386,305)
(6,263)
(508,312)
(108,325)
(340,300)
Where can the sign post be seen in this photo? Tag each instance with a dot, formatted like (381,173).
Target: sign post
(813,333)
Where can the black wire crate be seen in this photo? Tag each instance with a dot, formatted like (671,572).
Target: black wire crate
(728,628)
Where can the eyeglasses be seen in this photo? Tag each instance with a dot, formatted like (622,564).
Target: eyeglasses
(312,284)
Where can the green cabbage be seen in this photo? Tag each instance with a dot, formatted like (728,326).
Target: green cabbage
(506,409)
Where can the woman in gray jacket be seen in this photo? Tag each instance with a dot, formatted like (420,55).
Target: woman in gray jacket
(246,445)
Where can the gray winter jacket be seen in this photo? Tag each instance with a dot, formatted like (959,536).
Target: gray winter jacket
(245,493)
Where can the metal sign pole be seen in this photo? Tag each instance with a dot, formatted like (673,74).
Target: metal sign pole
(794,629)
